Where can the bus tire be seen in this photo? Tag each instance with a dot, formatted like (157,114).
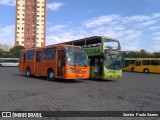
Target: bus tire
(132,69)
(28,72)
(146,71)
(50,75)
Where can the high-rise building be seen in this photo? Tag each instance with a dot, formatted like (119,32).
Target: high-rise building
(30,30)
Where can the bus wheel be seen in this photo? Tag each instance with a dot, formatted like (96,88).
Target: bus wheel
(28,72)
(132,70)
(146,71)
(50,75)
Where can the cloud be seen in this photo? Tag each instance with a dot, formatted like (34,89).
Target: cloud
(56,28)
(135,18)
(8,2)
(155,41)
(147,23)
(156,15)
(7,34)
(156,36)
(66,35)
(54,6)
(154,28)
(94,22)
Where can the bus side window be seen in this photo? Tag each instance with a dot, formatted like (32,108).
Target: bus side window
(44,54)
(154,62)
(50,54)
(126,63)
(132,62)
(146,62)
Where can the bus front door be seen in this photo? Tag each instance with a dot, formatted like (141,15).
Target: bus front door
(98,68)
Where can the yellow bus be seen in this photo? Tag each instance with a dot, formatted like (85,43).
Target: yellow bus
(147,65)
(129,64)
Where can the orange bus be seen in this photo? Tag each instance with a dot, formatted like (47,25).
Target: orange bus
(55,61)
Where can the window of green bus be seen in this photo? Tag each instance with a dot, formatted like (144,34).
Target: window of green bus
(111,44)
(113,62)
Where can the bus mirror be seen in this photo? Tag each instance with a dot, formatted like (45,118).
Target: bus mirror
(88,62)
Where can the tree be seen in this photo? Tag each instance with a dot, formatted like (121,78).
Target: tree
(15,51)
(156,54)
(136,54)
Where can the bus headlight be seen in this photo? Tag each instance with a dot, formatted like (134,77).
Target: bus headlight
(89,71)
(105,70)
(69,69)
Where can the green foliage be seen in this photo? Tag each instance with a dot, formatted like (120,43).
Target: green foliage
(15,51)
(157,54)
(135,54)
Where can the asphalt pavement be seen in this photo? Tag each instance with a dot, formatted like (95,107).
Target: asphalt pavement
(134,92)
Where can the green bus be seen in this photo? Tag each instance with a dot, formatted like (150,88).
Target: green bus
(104,54)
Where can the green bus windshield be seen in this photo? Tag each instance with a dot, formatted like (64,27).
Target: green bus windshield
(113,62)
(111,44)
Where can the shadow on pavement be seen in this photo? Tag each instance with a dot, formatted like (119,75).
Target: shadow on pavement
(45,79)
(102,80)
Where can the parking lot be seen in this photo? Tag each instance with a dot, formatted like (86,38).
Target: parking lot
(135,91)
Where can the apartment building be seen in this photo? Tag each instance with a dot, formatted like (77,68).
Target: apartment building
(30,30)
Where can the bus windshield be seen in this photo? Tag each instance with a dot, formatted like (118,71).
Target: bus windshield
(76,56)
(110,44)
(113,62)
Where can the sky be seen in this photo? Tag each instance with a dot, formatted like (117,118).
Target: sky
(135,23)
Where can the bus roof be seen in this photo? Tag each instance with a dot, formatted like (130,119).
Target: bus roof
(49,46)
(88,40)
